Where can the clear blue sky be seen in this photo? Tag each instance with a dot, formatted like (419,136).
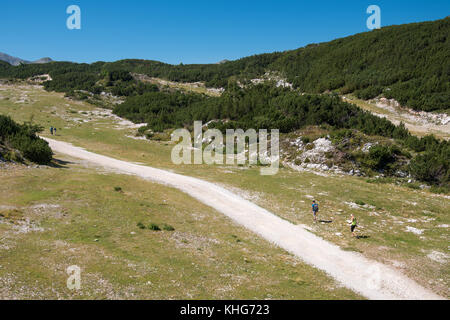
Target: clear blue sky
(196,31)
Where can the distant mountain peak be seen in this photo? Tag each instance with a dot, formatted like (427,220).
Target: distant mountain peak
(43,60)
(11,60)
(14,61)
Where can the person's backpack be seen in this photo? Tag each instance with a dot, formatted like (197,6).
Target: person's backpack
(315,207)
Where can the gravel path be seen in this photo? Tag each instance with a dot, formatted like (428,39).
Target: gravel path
(366,277)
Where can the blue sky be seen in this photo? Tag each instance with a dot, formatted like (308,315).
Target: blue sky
(190,31)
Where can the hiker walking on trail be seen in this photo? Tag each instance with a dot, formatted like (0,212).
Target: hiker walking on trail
(353,225)
(315,210)
(54,131)
(51,130)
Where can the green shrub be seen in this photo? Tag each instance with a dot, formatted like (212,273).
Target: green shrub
(379,157)
(118,189)
(154,227)
(305,140)
(33,149)
(23,138)
(369,93)
(140,225)
(167,227)
(8,127)
(431,168)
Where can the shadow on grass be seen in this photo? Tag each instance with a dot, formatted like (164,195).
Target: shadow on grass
(60,164)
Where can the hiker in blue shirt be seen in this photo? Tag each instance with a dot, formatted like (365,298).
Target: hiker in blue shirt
(315,210)
(51,130)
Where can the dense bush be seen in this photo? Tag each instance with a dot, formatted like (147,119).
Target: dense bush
(119,75)
(432,168)
(72,81)
(130,88)
(24,138)
(380,157)
(163,110)
(260,107)
(140,225)
(154,227)
(369,93)
(35,150)
(168,227)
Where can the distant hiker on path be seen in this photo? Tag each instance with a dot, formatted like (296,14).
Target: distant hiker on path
(353,225)
(315,210)
(54,130)
(51,130)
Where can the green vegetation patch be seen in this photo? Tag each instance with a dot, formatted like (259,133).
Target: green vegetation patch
(24,139)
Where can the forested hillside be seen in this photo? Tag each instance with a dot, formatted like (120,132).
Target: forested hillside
(410,63)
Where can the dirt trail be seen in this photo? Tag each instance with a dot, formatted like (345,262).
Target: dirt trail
(369,278)
(419,123)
